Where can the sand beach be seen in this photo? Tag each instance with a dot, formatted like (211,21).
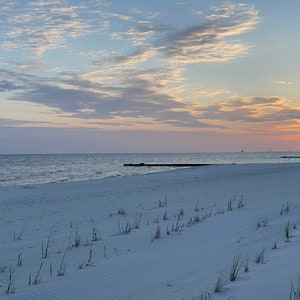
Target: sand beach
(212,232)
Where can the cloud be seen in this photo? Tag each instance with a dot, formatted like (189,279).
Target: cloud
(283,82)
(139,101)
(197,12)
(40,26)
(6,122)
(208,42)
(19,80)
(252,113)
(212,40)
(136,100)
(124,61)
(6,86)
(140,33)
(31,65)
(212,93)
(117,87)
(118,16)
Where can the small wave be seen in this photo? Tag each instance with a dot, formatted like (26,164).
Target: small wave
(114,175)
(29,187)
(64,180)
(68,179)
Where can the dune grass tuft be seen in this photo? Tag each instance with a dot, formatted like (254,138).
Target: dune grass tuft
(235,266)
(220,283)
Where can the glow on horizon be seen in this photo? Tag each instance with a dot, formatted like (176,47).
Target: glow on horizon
(186,76)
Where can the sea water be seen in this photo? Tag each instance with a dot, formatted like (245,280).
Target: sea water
(47,168)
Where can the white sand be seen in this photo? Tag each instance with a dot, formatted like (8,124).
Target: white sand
(183,264)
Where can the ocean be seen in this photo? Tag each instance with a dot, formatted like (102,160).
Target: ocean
(17,170)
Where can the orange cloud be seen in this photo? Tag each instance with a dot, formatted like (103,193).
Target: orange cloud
(250,114)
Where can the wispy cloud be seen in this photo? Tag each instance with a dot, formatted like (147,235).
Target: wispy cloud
(126,60)
(211,93)
(40,26)
(208,42)
(283,82)
(197,12)
(6,122)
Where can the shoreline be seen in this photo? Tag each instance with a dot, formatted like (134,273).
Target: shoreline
(175,169)
(31,169)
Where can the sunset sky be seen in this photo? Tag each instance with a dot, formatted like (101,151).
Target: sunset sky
(149,76)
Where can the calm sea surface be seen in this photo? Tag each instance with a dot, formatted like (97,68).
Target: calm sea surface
(46,168)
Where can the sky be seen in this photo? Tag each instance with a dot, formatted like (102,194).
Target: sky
(97,76)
